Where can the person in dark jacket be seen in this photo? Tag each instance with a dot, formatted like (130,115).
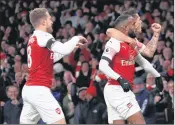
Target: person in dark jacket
(79,102)
(83,79)
(145,100)
(94,111)
(13,107)
(169,111)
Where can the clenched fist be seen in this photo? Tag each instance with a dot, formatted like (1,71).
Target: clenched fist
(156,27)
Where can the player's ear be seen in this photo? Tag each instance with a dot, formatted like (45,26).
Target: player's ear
(43,21)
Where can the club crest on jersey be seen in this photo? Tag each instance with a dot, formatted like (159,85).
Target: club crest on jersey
(58,111)
(129,105)
(131,57)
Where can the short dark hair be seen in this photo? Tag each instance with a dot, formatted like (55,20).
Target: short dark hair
(122,20)
(11,86)
(68,22)
(131,12)
(36,15)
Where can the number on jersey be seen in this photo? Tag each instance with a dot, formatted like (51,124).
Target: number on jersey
(29,58)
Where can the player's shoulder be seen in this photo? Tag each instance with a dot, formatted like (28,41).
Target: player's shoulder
(41,34)
(113,43)
(42,37)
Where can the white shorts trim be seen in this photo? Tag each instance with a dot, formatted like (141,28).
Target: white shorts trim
(120,104)
(39,103)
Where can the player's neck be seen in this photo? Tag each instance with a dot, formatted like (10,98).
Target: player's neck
(41,29)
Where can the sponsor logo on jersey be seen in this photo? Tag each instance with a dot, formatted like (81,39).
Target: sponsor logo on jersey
(127,62)
(123,47)
(107,50)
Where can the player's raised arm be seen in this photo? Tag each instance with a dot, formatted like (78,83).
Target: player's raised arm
(149,68)
(151,46)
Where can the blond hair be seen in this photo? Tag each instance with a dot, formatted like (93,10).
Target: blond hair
(36,15)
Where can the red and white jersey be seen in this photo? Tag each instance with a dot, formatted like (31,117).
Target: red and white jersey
(40,60)
(123,59)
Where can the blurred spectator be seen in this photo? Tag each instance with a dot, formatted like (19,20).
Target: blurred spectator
(68,106)
(150,82)
(13,107)
(169,111)
(145,100)
(161,101)
(68,78)
(94,111)
(58,89)
(81,94)
(167,53)
(83,79)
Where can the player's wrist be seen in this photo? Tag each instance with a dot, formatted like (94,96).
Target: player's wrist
(156,34)
(76,38)
(119,78)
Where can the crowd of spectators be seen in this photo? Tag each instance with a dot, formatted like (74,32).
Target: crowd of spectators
(74,73)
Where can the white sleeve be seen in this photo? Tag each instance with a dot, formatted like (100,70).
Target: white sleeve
(146,65)
(57,57)
(43,38)
(46,39)
(64,48)
(106,69)
(112,47)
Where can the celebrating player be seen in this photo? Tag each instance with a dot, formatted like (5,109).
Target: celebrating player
(135,24)
(36,94)
(118,63)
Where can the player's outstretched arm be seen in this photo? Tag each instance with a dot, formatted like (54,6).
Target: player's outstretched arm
(151,46)
(149,68)
(67,47)
(114,33)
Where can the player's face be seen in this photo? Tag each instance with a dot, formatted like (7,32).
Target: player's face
(138,24)
(49,23)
